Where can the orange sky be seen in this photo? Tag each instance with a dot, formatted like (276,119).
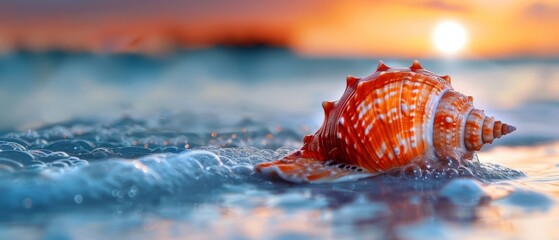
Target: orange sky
(496,28)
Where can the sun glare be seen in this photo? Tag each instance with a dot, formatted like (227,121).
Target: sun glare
(450,37)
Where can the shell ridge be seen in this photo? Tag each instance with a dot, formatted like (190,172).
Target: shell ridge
(487,131)
(378,105)
(365,119)
(399,129)
(369,123)
(472,133)
(362,120)
(386,122)
(430,124)
(462,130)
(402,144)
(333,126)
(417,81)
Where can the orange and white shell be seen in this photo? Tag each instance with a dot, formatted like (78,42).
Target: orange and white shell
(387,120)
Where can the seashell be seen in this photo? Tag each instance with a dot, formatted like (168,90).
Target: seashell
(388,120)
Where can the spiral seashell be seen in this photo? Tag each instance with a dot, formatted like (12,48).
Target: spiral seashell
(388,120)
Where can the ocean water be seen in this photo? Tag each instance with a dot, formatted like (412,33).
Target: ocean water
(164,147)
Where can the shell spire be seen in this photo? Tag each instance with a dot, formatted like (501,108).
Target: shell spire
(446,78)
(458,125)
(481,129)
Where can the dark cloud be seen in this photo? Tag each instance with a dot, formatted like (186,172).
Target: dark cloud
(146,8)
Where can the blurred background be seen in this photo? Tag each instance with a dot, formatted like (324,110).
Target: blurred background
(268,60)
(104,106)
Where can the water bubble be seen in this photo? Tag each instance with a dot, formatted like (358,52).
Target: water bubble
(10,163)
(243,169)
(412,171)
(38,154)
(115,193)
(58,164)
(21,157)
(78,198)
(39,143)
(51,157)
(99,153)
(449,162)
(37,165)
(205,158)
(133,192)
(227,161)
(11,146)
(20,142)
(71,147)
(78,162)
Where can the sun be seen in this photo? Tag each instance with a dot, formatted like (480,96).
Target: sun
(450,37)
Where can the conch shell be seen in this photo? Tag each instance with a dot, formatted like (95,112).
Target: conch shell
(388,120)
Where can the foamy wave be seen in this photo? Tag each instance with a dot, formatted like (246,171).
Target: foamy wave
(192,173)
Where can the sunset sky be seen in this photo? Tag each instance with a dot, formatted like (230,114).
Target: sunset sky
(370,28)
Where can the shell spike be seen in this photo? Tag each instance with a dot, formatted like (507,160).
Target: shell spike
(308,139)
(351,80)
(328,106)
(415,65)
(381,66)
(446,78)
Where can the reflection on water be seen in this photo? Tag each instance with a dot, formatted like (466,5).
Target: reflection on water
(134,147)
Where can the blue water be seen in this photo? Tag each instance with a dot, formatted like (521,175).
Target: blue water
(144,147)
